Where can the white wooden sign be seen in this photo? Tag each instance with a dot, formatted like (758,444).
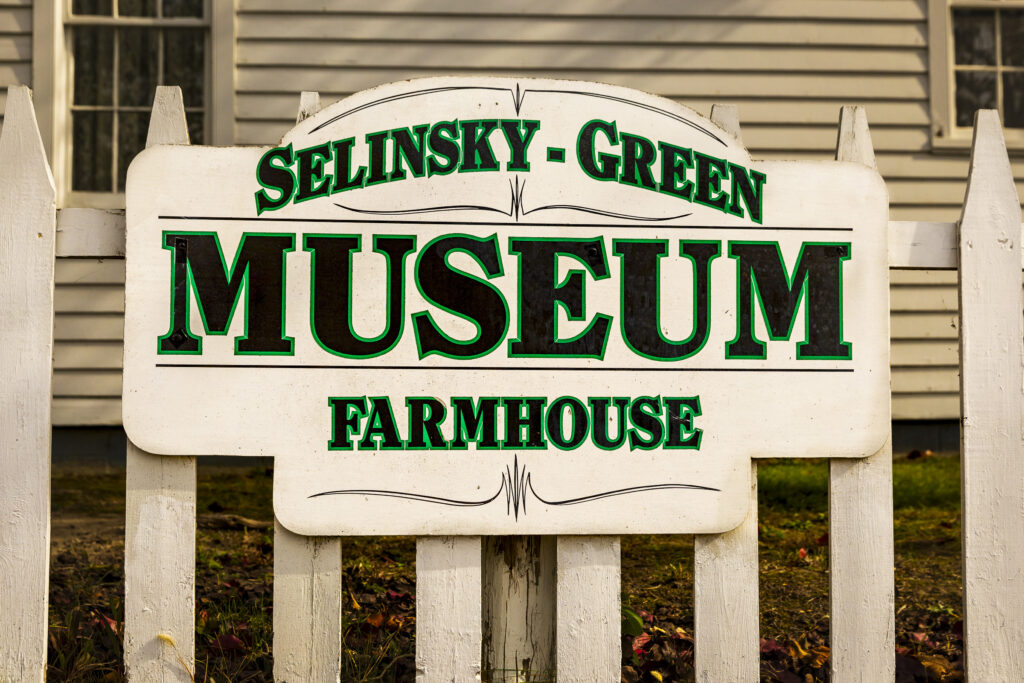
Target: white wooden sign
(486,306)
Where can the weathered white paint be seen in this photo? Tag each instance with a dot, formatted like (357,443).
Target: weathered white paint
(27,228)
(725,598)
(85,233)
(159,567)
(862,625)
(589,646)
(992,464)
(307,582)
(160,525)
(448,610)
(518,608)
(307,607)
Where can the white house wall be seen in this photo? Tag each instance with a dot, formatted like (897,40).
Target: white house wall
(787,64)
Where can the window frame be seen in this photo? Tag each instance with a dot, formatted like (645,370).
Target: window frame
(945,134)
(52,84)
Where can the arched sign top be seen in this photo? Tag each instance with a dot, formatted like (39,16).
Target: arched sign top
(531,149)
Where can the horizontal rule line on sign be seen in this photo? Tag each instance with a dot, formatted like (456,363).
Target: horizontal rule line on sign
(647,224)
(251,366)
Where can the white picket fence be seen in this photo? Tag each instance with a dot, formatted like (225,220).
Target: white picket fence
(557,600)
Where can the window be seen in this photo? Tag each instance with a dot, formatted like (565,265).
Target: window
(119,51)
(977,62)
(988,64)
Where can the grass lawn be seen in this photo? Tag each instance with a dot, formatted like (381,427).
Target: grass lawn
(234,565)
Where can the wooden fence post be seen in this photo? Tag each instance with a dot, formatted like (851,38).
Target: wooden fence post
(991,465)
(863,622)
(589,616)
(518,608)
(307,581)
(725,572)
(448,614)
(160,524)
(27,236)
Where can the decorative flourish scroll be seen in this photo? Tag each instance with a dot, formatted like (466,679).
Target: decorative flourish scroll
(516,483)
(516,208)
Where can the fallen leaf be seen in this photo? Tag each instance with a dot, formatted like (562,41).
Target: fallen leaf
(228,643)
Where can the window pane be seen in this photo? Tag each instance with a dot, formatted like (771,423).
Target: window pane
(974,36)
(195,127)
(974,90)
(103,7)
(136,8)
(93,49)
(137,66)
(183,8)
(90,163)
(1013,99)
(184,64)
(1011,26)
(131,139)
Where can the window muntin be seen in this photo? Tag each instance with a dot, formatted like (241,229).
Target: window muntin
(988,64)
(120,51)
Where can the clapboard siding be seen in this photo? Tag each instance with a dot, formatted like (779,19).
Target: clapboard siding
(869,10)
(15,46)
(329,54)
(88,329)
(286,23)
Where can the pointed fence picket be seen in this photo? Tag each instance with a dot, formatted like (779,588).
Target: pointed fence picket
(725,584)
(160,518)
(991,381)
(863,621)
(307,581)
(27,235)
(451,571)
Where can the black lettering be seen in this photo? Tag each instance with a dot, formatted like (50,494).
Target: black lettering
(519,135)
(381,431)
(475,424)
(465,295)
(443,145)
(637,157)
(605,166)
(818,273)
(258,265)
(641,296)
(540,295)
(378,143)
(425,418)
(645,422)
(556,426)
(516,422)
(346,412)
(312,182)
(411,149)
(710,172)
(331,257)
(275,176)
(680,431)
(477,154)
(343,178)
